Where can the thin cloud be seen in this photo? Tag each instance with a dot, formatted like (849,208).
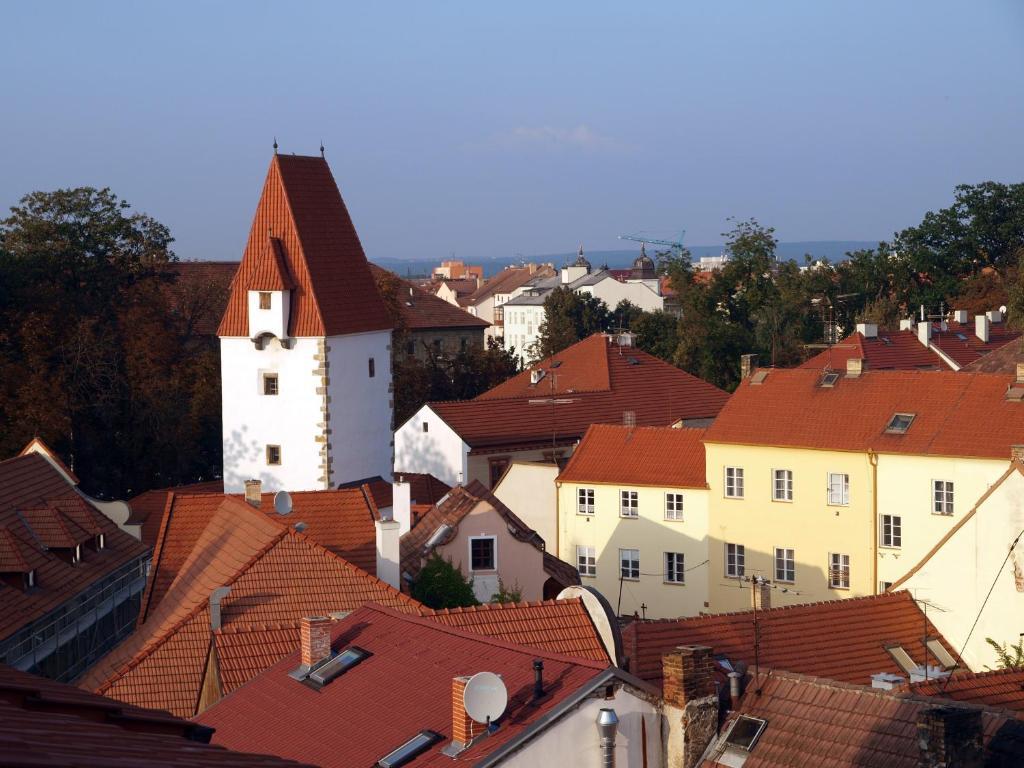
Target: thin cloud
(582,138)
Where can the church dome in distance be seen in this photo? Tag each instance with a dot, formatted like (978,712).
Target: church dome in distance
(643,266)
(581,260)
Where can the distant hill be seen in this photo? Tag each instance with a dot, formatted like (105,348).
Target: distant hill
(832,250)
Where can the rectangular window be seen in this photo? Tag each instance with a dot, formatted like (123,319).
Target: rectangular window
(372,367)
(785,564)
(629,504)
(410,348)
(426,426)
(838,489)
(585,501)
(264,299)
(273,454)
(673,506)
(735,561)
(629,563)
(586,561)
(782,485)
(942,497)
(892,531)
(675,572)
(734,482)
(497,468)
(839,571)
(481,553)
(270,384)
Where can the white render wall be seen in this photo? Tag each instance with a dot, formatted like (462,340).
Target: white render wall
(439,451)
(611,292)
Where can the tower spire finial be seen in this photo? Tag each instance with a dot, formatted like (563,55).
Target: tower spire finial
(275,145)
(321,147)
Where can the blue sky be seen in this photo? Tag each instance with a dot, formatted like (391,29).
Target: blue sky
(489,129)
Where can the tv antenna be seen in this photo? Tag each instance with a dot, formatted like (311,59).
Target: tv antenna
(282,503)
(485,697)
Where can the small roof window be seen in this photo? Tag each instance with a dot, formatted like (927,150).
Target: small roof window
(745,732)
(938,650)
(902,658)
(829,379)
(899,423)
(339,665)
(414,747)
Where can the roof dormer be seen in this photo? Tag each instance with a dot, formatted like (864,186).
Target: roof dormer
(269,293)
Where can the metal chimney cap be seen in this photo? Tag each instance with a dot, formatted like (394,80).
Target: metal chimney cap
(607,723)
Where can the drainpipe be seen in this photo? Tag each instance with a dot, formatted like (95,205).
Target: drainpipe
(607,723)
(873,460)
(558,521)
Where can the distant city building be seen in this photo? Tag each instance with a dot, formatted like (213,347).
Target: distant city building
(488,301)
(456,270)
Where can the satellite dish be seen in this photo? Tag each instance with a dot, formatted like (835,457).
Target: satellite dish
(485,697)
(282,502)
(1002,309)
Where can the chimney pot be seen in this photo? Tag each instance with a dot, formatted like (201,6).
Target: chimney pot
(761,594)
(314,639)
(254,492)
(981,327)
(748,365)
(948,736)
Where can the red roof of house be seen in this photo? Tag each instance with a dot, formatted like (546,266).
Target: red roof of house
(44,723)
(404,687)
(342,521)
(147,509)
(956,414)
(661,456)
(422,310)
(269,271)
(40,509)
(275,576)
(595,382)
(839,639)
(1002,360)
(827,724)
(507,281)
(998,688)
(334,292)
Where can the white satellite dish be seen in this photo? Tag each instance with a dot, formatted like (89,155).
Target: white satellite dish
(485,697)
(282,502)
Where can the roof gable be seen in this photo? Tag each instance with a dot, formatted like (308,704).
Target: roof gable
(422,310)
(662,456)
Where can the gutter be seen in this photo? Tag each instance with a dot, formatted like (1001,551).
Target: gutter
(873,460)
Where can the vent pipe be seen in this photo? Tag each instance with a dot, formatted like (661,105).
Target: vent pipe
(735,690)
(607,724)
(215,600)
(538,678)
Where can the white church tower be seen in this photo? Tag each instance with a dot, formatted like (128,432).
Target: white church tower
(305,344)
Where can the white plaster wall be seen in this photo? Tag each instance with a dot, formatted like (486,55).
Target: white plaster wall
(522,327)
(528,489)
(360,406)
(439,451)
(573,740)
(252,420)
(611,292)
(273,320)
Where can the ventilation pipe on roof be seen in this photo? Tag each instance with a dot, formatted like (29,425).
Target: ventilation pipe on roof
(735,690)
(981,328)
(607,725)
(215,603)
(538,679)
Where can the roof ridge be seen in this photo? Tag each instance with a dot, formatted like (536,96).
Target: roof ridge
(484,607)
(156,559)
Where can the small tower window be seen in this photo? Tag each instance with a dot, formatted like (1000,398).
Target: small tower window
(373,368)
(264,299)
(426,426)
(30,579)
(273,454)
(270,384)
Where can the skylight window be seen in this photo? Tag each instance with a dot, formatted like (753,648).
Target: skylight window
(340,664)
(938,650)
(961,337)
(745,732)
(902,658)
(829,379)
(409,751)
(899,423)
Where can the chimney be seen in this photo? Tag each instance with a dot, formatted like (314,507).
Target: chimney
(960,316)
(690,697)
(216,597)
(748,364)
(950,736)
(735,690)
(464,728)
(907,324)
(1017,453)
(1020,373)
(994,316)
(401,505)
(607,725)
(761,594)
(981,327)
(854,367)
(314,640)
(254,492)
(388,560)
(868,330)
(538,679)
(924,332)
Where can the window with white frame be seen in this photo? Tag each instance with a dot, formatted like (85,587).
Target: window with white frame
(673,506)
(782,485)
(482,553)
(838,489)
(675,571)
(629,503)
(586,560)
(735,561)
(891,531)
(785,564)
(839,571)
(942,497)
(629,563)
(585,501)
(734,482)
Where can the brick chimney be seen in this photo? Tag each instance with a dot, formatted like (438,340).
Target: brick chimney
(314,639)
(254,492)
(691,703)
(761,594)
(950,736)
(748,365)
(464,728)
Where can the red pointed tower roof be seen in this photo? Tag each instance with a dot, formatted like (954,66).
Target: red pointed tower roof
(302,239)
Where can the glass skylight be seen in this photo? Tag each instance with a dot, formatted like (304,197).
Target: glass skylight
(414,747)
(899,423)
(745,732)
(340,664)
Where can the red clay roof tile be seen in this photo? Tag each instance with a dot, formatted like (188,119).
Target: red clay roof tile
(662,456)
(998,688)
(422,310)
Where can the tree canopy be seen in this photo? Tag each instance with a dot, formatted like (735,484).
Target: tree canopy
(442,585)
(568,317)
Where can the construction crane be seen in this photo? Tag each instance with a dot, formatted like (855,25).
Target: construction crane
(676,245)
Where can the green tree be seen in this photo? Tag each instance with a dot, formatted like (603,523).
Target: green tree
(1008,656)
(625,315)
(657,333)
(568,317)
(441,584)
(506,594)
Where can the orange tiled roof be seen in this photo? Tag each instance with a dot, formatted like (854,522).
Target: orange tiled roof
(40,509)
(662,456)
(839,639)
(507,281)
(998,688)
(44,723)
(957,414)
(334,291)
(422,310)
(270,272)
(275,576)
(1002,360)
(890,350)
(147,509)
(597,382)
